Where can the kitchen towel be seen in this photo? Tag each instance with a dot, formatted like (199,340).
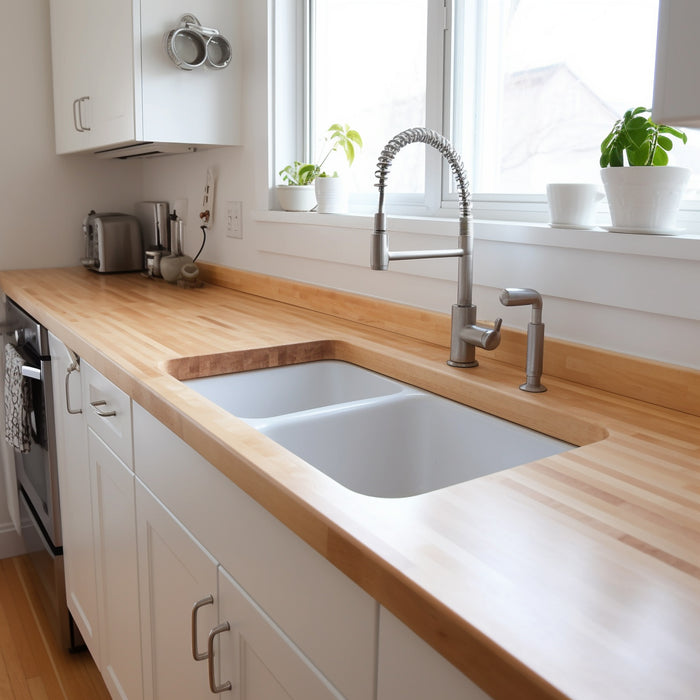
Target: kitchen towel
(17,402)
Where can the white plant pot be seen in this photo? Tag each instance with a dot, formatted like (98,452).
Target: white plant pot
(296,197)
(331,195)
(644,199)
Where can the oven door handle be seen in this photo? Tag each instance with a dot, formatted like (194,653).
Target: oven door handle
(31,372)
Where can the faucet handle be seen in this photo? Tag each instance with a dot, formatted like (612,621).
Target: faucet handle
(482,337)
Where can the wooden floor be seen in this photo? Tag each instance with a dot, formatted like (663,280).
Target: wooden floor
(32,665)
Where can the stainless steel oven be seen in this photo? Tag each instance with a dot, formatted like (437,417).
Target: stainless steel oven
(37,472)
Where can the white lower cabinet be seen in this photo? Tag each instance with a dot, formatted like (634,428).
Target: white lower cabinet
(75,493)
(175,573)
(183,606)
(327,619)
(257,660)
(116,571)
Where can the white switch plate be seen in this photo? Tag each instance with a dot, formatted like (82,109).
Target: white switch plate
(234,223)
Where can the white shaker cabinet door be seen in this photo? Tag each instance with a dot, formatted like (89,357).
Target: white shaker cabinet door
(76,498)
(117,571)
(256,658)
(176,573)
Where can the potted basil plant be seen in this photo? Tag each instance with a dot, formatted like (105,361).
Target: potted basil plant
(644,193)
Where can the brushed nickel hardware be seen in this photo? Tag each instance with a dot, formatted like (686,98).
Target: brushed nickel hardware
(103,414)
(78,114)
(73,367)
(223,627)
(466,334)
(515,296)
(196,654)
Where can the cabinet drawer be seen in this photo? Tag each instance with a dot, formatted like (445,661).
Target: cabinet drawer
(328,617)
(257,657)
(108,412)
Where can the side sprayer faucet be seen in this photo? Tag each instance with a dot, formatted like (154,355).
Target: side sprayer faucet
(535,334)
(466,335)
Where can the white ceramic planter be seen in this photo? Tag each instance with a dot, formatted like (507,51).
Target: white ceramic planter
(296,197)
(331,195)
(644,199)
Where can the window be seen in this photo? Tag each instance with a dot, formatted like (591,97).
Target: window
(553,77)
(369,70)
(525,89)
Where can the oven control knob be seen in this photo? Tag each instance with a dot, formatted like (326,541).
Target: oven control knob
(19,336)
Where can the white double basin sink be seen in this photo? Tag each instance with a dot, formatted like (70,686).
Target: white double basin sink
(372,434)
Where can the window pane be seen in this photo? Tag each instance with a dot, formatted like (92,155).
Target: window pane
(553,77)
(370,72)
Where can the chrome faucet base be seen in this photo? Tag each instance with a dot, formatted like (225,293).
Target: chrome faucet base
(533,388)
(462,365)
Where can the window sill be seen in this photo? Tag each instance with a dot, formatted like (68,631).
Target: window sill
(685,246)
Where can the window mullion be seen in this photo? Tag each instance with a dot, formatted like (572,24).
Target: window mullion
(434,117)
(310,57)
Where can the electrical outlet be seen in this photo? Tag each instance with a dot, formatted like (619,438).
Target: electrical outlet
(207,212)
(234,223)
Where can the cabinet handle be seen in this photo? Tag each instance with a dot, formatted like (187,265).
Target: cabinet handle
(196,654)
(72,368)
(100,412)
(223,627)
(80,113)
(76,108)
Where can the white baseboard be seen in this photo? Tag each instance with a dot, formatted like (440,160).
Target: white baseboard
(11,544)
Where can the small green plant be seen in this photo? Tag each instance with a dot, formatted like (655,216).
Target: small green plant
(643,141)
(340,137)
(298,173)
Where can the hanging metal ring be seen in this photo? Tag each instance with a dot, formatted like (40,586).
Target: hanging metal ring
(218,51)
(186,47)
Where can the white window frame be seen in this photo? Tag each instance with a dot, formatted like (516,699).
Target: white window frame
(290,130)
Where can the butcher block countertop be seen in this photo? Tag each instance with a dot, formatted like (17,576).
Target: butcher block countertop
(573,576)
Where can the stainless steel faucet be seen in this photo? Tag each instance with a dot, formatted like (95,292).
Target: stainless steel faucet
(466,335)
(535,334)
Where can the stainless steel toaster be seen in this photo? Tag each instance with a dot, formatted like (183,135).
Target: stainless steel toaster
(113,243)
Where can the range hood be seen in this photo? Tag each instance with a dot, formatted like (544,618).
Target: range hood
(147,149)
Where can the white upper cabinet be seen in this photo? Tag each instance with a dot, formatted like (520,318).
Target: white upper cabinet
(117,92)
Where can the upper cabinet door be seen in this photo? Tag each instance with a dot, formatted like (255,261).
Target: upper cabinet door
(93,49)
(71,19)
(115,84)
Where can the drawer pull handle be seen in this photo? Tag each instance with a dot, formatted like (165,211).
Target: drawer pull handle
(196,654)
(100,412)
(223,627)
